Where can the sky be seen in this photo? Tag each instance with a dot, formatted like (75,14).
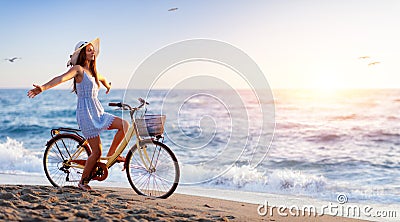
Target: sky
(296,43)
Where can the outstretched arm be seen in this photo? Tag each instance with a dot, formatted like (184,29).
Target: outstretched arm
(106,84)
(54,82)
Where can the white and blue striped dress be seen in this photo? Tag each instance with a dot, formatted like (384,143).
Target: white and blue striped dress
(89,112)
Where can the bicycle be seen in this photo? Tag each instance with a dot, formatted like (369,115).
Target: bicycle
(151,166)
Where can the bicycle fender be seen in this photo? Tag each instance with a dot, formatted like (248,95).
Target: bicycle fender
(63,134)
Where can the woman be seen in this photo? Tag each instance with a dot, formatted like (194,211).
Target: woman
(90,114)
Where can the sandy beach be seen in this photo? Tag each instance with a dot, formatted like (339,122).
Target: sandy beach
(46,203)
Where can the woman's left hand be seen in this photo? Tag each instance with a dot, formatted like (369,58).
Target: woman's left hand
(108,88)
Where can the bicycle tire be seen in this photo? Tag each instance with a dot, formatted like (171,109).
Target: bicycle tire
(58,151)
(164,178)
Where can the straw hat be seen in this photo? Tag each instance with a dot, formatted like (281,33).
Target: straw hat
(79,46)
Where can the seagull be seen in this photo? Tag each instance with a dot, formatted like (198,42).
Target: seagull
(363,57)
(13,59)
(172,9)
(373,63)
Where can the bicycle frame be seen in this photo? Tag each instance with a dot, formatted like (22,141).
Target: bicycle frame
(132,131)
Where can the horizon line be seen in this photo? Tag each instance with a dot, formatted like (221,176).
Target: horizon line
(277,88)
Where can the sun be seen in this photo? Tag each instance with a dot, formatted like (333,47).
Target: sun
(326,84)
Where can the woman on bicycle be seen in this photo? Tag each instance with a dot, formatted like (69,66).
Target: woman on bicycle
(90,114)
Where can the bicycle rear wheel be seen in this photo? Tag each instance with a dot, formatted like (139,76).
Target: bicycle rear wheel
(161,178)
(60,150)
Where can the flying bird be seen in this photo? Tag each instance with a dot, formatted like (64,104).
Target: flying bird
(363,57)
(373,63)
(172,9)
(13,59)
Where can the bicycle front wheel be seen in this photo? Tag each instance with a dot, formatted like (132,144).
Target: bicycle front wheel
(152,170)
(60,159)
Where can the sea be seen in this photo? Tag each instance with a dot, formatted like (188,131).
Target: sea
(303,143)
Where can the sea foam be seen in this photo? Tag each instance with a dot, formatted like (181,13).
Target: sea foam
(15,158)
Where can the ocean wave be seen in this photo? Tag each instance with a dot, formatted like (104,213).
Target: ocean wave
(17,129)
(286,163)
(392,118)
(326,163)
(246,178)
(325,137)
(290,125)
(54,114)
(296,181)
(347,117)
(15,158)
(382,135)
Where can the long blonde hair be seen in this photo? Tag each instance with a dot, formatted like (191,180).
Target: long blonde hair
(92,66)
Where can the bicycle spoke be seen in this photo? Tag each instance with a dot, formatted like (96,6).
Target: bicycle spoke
(58,155)
(59,177)
(155,184)
(144,177)
(60,149)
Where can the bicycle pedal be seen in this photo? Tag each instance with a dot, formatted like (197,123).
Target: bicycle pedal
(120,159)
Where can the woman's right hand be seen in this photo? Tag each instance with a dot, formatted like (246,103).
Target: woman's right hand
(35,91)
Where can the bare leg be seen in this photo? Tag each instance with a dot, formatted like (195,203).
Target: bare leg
(95,144)
(122,127)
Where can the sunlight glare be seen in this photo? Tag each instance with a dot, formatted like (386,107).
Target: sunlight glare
(326,84)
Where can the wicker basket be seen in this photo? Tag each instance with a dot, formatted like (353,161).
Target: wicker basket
(150,125)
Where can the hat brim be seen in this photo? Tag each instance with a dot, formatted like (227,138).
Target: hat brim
(96,45)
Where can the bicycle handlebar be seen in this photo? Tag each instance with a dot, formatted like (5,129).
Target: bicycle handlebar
(115,104)
(128,107)
(143,101)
